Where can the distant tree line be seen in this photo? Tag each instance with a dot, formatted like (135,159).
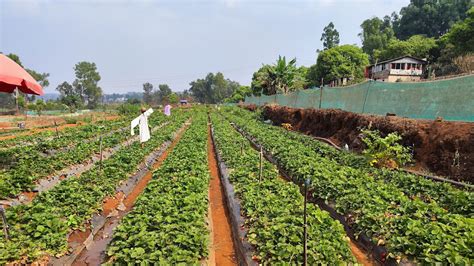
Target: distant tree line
(163,95)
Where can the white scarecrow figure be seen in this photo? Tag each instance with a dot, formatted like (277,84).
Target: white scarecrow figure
(142,122)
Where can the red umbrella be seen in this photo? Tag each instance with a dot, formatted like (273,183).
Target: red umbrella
(14,76)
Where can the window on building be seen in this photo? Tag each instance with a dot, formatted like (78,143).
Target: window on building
(393,66)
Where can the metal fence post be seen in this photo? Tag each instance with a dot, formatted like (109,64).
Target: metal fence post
(305,231)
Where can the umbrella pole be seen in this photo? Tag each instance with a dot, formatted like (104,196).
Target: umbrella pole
(26,109)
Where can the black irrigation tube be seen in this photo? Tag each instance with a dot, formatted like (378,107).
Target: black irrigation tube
(244,250)
(379,253)
(430,177)
(51,181)
(99,220)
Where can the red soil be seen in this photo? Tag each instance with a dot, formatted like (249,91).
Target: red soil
(222,246)
(94,254)
(443,147)
(360,255)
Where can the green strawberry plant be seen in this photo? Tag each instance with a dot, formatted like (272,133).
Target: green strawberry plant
(273,208)
(167,225)
(42,226)
(412,223)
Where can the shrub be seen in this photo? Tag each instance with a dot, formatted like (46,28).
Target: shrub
(385,151)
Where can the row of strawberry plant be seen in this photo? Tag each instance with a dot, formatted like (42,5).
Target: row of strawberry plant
(31,164)
(167,225)
(408,227)
(44,137)
(453,199)
(273,208)
(42,226)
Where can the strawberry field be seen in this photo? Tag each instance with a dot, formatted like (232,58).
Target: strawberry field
(67,204)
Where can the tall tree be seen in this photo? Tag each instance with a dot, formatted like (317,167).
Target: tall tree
(147,93)
(417,46)
(15,58)
(86,83)
(461,35)
(239,94)
(330,36)
(162,94)
(345,61)
(260,81)
(214,88)
(431,18)
(69,96)
(281,77)
(376,34)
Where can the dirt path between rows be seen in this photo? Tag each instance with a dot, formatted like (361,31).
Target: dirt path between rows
(222,246)
(116,208)
(359,254)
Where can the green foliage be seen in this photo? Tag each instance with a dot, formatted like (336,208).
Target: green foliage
(129,109)
(38,106)
(461,35)
(41,227)
(15,58)
(86,84)
(431,18)
(239,95)
(417,46)
(383,151)
(411,216)
(345,61)
(69,97)
(330,37)
(41,78)
(214,88)
(173,98)
(161,96)
(273,208)
(260,81)
(376,35)
(282,77)
(147,93)
(167,225)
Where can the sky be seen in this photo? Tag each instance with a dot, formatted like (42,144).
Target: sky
(174,41)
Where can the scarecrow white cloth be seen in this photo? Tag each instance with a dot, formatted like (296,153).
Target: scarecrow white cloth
(167,110)
(142,122)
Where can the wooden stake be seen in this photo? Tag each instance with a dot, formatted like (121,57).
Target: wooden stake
(56,125)
(100,148)
(261,164)
(5,224)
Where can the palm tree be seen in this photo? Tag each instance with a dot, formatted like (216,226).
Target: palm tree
(281,76)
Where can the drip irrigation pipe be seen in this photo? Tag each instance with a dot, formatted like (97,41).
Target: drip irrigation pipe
(379,253)
(244,250)
(73,170)
(430,177)
(99,220)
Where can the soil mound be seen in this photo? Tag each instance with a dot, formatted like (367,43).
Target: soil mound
(443,147)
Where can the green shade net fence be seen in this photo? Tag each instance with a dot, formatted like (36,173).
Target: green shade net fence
(452,99)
